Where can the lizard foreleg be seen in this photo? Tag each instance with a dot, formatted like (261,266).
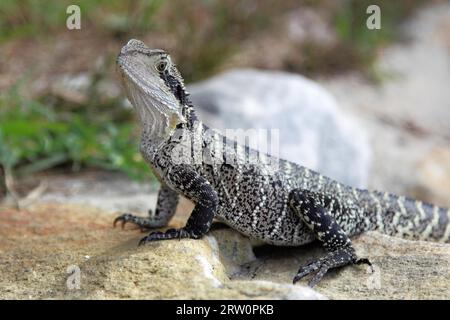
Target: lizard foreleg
(197,189)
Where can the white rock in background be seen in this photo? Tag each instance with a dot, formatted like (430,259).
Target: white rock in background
(314,132)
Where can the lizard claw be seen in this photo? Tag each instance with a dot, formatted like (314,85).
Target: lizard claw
(143,223)
(154,236)
(338,258)
(124,218)
(166,235)
(308,269)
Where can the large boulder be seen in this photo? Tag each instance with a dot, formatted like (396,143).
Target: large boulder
(313,130)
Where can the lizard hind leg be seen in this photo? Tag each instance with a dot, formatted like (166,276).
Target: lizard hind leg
(314,210)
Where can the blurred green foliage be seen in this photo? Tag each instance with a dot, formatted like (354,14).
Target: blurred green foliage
(42,18)
(35,137)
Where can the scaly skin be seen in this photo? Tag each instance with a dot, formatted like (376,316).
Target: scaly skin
(273,200)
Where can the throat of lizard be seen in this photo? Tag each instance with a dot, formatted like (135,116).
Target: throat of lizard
(158,126)
(158,120)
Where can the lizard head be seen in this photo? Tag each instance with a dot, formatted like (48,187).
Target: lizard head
(154,87)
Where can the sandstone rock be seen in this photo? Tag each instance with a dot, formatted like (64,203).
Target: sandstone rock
(403,269)
(41,244)
(313,131)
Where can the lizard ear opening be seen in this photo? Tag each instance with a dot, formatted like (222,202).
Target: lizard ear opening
(176,119)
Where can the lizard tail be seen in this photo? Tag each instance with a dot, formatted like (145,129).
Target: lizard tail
(412,219)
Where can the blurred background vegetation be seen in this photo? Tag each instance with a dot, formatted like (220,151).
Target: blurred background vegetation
(45,124)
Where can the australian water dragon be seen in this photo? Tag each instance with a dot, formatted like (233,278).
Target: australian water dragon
(286,205)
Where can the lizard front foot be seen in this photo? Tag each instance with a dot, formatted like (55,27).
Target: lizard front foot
(338,258)
(169,234)
(144,223)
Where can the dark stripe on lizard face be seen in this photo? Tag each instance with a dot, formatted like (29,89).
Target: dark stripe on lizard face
(175,86)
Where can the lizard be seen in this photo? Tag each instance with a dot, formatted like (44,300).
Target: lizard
(282,205)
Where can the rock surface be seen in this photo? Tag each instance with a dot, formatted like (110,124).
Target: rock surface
(313,131)
(40,244)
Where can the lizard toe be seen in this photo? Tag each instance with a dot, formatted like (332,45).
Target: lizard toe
(306,270)
(123,218)
(166,235)
(338,258)
(143,223)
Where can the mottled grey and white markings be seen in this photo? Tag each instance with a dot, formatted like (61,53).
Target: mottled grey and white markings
(290,206)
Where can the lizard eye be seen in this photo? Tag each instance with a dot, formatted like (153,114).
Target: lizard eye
(161,66)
